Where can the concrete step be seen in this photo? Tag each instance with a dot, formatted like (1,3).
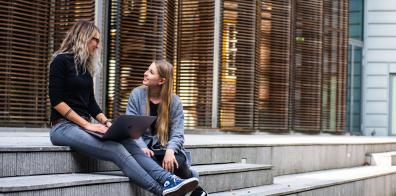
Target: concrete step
(48,159)
(387,159)
(358,181)
(213,178)
(33,154)
(233,176)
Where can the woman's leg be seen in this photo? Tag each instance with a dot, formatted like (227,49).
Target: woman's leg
(155,170)
(148,164)
(183,171)
(70,134)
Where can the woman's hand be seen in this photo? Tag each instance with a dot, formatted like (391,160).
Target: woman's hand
(108,124)
(96,128)
(170,161)
(148,152)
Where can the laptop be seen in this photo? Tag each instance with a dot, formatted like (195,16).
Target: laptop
(126,126)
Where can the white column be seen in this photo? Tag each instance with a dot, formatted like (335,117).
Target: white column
(99,82)
(216,63)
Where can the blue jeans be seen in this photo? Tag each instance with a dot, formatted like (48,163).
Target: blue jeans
(141,169)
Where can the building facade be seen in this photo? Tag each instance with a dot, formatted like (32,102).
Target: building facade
(379,68)
(260,65)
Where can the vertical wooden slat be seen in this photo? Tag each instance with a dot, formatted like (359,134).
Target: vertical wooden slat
(65,13)
(32,31)
(272,79)
(23,62)
(238,62)
(195,61)
(307,70)
(140,32)
(334,76)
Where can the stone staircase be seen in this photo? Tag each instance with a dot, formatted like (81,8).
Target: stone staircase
(57,170)
(227,164)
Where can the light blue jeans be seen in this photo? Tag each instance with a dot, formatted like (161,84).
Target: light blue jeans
(141,169)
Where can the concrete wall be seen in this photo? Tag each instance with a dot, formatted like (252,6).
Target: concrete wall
(379,62)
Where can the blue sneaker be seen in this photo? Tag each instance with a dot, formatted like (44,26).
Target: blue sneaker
(174,186)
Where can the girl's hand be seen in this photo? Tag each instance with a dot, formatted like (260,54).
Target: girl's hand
(96,128)
(108,124)
(170,161)
(148,152)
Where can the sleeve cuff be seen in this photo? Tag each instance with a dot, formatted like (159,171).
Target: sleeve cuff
(140,143)
(172,147)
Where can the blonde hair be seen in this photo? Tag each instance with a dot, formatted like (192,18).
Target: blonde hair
(76,42)
(165,70)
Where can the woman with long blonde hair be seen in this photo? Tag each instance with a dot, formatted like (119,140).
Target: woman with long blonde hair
(73,105)
(164,140)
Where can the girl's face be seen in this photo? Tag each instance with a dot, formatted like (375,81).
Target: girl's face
(93,44)
(152,78)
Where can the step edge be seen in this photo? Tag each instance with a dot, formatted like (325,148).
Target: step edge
(251,167)
(110,179)
(10,148)
(113,177)
(319,186)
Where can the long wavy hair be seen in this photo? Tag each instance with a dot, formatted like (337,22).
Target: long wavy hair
(76,42)
(165,70)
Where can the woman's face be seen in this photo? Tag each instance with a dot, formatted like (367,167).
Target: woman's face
(93,44)
(152,78)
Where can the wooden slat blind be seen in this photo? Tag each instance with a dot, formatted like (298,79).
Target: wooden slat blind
(334,75)
(140,32)
(195,61)
(283,63)
(65,13)
(238,62)
(307,69)
(23,62)
(273,73)
(31,31)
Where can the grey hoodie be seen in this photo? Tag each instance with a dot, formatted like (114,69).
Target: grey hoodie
(137,106)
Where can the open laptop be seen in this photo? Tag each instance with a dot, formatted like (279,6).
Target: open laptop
(126,126)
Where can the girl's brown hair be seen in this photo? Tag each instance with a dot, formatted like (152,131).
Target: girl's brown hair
(165,70)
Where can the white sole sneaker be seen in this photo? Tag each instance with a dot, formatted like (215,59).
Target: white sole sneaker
(182,188)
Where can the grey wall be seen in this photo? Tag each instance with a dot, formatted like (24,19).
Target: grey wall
(378,63)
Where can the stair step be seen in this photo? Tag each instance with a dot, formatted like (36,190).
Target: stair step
(229,168)
(29,183)
(221,177)
(19,160)
(33,154)
(213,178)
(382,159)
(335,181)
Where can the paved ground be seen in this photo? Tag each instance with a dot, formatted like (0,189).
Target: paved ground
(41,139)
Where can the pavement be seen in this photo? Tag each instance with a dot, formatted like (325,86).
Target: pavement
(41,139)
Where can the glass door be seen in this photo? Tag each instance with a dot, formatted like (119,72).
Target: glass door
(354,87)
(392,104)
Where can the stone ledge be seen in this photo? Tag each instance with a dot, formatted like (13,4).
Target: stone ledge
(229,168)
(208,173)
(28,183)
(298,183)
